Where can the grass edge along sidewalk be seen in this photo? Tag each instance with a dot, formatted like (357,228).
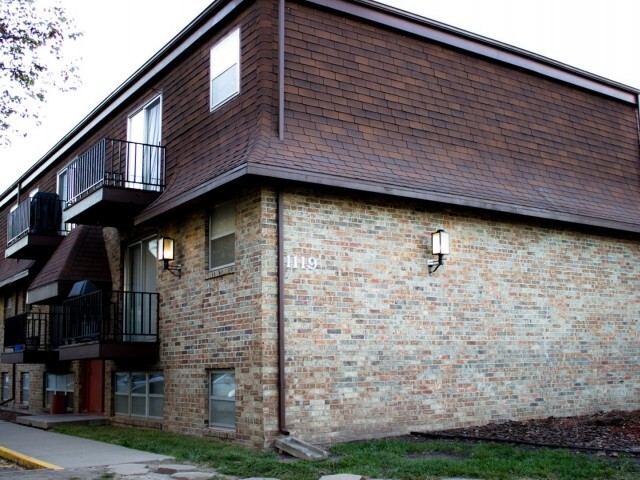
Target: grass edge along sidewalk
(401,458)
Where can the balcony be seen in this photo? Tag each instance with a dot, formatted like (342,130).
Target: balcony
(26,339)
(112,181)
(119,325)
(34,228)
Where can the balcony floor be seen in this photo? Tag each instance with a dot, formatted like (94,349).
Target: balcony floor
(34,246)
(109,206)
(30,357)
(109,351)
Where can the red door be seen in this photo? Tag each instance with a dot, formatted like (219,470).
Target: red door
(93,386)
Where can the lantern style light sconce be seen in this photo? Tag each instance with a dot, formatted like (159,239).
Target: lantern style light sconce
(166,254)
(439,246)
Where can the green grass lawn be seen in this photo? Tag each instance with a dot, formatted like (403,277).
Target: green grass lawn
(391,458)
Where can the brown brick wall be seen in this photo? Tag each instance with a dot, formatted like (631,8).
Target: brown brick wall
(524,320)
(36,382)
(212,320)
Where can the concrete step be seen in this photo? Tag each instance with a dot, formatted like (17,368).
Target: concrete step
(300,449)
(45,422)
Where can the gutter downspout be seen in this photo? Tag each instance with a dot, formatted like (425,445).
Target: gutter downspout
(281,34)
(282,407)
(282,413)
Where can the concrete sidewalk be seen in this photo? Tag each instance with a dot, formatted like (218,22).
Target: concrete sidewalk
(65,451)
(64,457)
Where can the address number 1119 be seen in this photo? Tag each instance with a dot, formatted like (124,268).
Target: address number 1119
(294,261)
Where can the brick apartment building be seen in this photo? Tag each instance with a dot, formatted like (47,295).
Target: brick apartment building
(299,154)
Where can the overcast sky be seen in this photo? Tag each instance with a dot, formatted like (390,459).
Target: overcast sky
(599,36)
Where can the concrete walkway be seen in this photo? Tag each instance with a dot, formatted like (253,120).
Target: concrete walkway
(66,451)
(64,457)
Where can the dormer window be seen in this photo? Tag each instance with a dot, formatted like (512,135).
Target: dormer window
(225,69)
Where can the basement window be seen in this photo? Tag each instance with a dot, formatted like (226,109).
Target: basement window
(222,399)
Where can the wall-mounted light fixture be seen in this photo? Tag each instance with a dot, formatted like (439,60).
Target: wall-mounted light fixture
(165,254)
(440,247)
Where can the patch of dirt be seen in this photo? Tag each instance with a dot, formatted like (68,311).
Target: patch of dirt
(613,431)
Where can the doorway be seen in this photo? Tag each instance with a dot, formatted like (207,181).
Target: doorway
(92,384)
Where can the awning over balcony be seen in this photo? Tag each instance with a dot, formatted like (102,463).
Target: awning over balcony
(12,271)
(81,256)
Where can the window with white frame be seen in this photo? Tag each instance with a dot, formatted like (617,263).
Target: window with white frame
(62,189)
(222,399)
(60,383)
(225,69)
(25,379)
(5,386)
(145,169)
(139,394)
(222,235)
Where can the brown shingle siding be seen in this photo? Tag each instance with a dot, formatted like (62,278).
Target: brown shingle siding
(490,131)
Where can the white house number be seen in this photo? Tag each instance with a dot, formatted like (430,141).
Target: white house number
(294,261)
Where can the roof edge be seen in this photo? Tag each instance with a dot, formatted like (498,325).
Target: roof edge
(14,278)
(477,44)
(439,197)
(190,195)
(385,189)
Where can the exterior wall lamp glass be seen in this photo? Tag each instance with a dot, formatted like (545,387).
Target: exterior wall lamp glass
(165,254)
(439,246)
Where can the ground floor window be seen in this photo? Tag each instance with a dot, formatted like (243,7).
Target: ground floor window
(25,379)
(222,399)
(139,394)
(5,386)
(60,383)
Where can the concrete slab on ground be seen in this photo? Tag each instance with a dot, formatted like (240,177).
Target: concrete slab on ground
(66,451)
(46,422)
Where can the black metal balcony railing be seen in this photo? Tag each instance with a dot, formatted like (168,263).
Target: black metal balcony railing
(41,214)
(27,331)
(124,317)
(116,163)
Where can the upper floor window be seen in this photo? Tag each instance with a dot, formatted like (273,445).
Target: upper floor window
(222,235)
(144,132)
(62,190)
(225,69)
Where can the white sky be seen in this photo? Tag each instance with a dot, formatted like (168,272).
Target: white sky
(599,36)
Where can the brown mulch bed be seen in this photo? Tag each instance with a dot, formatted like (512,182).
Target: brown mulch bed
(607,431)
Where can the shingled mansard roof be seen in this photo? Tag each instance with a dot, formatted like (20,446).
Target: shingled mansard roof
(12,271)
(545,140)
(82,255)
